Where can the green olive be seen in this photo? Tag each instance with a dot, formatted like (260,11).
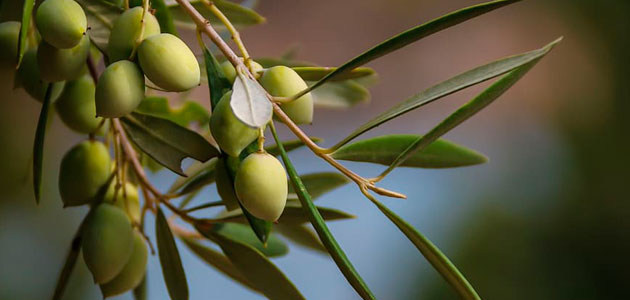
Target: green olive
(76,106)
(261,186)
(225,186)
(28,77)
(281,81)
(120,89)
(61,23)
(107,242)
(62,64)
(230,72)
(231,134)
(84,170)
(126,33)
(133,272)
(129,204)
(169,63)
(9,32)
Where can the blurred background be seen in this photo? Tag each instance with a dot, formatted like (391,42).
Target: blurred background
(545,218)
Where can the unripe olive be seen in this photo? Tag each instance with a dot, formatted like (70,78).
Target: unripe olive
(9,32)
(169,63)
(230,72)
(76,106)
(129,204)
(120,89)
(62,23)
(261,186)
(225,186)
(84,170)
(133,272)
(126,32)
(62,64)
(281,81)
(231,134)
(107,242)
(28,77)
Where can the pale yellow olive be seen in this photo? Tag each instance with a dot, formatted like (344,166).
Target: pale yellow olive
(61,23)
(225,185)
(129,204)
(76,106)
(133,272)
(231,134)
(9,32)
(230,72)
(120,89)
(126,33)
(107,242)
(261,186)
(29,78)
(84,170)
(62,64)
(169,63)
(281,81)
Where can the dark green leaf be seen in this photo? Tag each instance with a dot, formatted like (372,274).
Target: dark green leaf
(385,149)
(217,82)
(324,234)
(318,184)
(438,260)
(27,14)
(452,85)
(140,292)
(172,268)
(342,94)
(38,145)
(414,34)
(218,261)
(293,214)
(164,17)
(68,266)
(242,233)
(301,235)
(237,14)
(167,142)
(100,17)
(259,270)
(198,176)
(184,115)
(463,113)
(317,73)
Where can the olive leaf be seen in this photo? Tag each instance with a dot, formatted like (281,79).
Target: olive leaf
(335,251)
(140,292)
(249,102)
(172,268)
(198,175)
(289,146)
(187,113)
(260,271)
(274,247)
(317,73)
(340,94)
(292,214)
(238,15)
(100,19)
(301,235)
(38,145)
(385,149)
(318,184)
(167,142)
(164,17)
(27,14)
(218,83)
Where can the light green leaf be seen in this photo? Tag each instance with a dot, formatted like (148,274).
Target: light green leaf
(318,184)
(340,258)
(100,17)
(27,14)
(198,175)
(244,234)
(341,94)
(238,15)
(249,102)
(301,235)
(164,17)
(38,145)
(385,149)
(167,142)
(172,268)
(452,85)
(414,34)
(317,73)
(293,214)
(187,113)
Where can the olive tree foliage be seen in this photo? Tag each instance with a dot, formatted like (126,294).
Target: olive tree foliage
(57,49)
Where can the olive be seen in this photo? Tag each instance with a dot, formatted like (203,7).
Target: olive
(84,170)
(133,272)
(120,89)
(62,64)
(281,81)
(9,32)
(129,204)
(231,134)
(126,31)
(61,23)
(76,106)
(230,72)
(29,78)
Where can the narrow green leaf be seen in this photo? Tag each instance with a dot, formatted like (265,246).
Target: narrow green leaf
(238,15)
(164,17)
(289,146)
(293,214)
(463,113)
(140,292)
(66,271)
(218,261)
(100,18)
(27,14)
(259,270)
(274,247)
(414,34)
(172,268)
(385,149)
(452,85)
(301,235)
(217,82)
(198,175)
(184,115)
(317,73)
(167,142)
(340,94)
(324,234)
(438,260)
(318,184)
(38,145)
(249,102)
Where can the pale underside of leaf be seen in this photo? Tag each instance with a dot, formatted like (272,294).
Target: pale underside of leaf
(249,102)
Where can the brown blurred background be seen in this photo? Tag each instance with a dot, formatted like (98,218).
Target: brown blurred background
(546,218)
